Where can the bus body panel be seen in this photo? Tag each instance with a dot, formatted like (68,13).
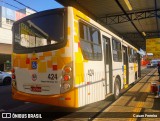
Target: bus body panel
(89,79)
(48,64)
(56,59)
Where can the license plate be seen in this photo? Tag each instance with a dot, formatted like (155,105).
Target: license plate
(36,89)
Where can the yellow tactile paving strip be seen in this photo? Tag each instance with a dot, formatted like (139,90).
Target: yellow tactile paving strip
(135,101)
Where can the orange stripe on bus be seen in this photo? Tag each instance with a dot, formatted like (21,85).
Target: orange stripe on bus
(47,53)
(49,64)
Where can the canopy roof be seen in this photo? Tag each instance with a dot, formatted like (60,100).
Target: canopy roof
(132,25)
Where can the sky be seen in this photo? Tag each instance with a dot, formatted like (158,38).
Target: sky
(38,5)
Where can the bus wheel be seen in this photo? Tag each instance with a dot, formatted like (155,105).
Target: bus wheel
(116,88)
(7,81)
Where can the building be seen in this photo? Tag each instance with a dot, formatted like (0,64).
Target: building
(7,18)
(26,11)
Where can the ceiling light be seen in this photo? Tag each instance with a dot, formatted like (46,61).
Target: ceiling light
(128,4)
(144,34)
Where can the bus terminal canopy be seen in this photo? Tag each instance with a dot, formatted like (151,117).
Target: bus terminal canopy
(133,20)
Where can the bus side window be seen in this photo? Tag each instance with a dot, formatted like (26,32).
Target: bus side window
(135,57)
(90,42)
(129,55)
(117,53)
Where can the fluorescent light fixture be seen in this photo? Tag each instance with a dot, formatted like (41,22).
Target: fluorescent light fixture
(144,34)
(128,4)
(149,53)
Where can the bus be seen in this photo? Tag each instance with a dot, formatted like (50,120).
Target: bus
(63,57)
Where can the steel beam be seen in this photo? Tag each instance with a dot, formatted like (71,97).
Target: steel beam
(156,14)
(153,35)
(121,18)
(76,4)
(137,36)
(132,35)
(118,3)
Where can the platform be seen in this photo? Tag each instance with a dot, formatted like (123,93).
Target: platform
(137,104)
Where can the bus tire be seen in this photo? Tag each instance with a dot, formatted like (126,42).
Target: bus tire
(7,81)
(117,88)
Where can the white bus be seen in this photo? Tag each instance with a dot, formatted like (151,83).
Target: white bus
(62,57)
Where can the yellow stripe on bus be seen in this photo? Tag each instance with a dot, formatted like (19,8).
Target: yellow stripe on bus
(78,13)
(76,38)
(69,30)
(135,67)
(78,57)
(124,75)
(42,67)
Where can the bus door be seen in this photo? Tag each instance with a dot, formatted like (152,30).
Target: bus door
(107,63)
(125,67)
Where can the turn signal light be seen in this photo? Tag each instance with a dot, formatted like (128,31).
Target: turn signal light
(67,69)
(13,76)
(13,70)
(66,77)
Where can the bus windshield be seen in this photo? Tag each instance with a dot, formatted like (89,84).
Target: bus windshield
(39,31)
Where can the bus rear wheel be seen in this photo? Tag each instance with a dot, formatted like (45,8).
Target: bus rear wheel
(117,88)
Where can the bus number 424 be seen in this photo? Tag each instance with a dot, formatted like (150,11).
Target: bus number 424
(52,76)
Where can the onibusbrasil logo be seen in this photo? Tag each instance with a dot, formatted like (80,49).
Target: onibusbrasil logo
(19,115)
